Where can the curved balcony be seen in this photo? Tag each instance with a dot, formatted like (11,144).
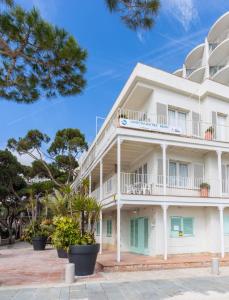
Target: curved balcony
(194,57)
(222,75)
(219,31)
(219,54)
(178,72)
(197,75)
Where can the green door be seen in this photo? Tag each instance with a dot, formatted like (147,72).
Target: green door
(139,235)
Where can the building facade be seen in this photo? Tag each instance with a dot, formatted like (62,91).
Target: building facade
(160,166)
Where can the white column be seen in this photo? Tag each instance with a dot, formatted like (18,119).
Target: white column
(164,208)
(219,155)
(89,185)
(101,180)
(101,231)
(118,199)
(164,147)
(221,208)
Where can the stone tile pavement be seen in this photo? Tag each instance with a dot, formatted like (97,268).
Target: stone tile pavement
(198,288)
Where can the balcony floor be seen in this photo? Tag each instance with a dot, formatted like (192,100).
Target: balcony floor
(106,262)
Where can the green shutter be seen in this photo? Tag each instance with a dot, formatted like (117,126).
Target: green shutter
(132,233)
(98,228)
(136,233)
(109,227)
(188,226)
(226,224)
(146,232)
(175,226)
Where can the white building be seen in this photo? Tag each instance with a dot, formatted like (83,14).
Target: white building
(165,139)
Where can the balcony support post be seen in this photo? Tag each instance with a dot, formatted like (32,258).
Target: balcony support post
(118,199)
(165,226)
(101,180)
(219,156)
(221,208)
(164,147)
(101,232)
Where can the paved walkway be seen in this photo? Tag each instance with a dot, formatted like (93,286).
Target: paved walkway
(19,264)
(199,288)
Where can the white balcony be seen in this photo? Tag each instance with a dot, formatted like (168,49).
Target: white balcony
(186,127)
(148,184)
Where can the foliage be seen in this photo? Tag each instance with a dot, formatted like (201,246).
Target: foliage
(59,202)
(37,58)
(210,129)
(63,151)
(205,185)
(12,191)
(66,232)
(38,229)
(136,14)
(87,209)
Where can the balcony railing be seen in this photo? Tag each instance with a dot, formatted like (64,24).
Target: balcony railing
(188,128)
(147,184)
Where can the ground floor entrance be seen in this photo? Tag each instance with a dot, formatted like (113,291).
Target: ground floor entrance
(139,235)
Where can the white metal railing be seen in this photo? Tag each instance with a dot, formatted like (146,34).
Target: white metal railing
(148,184)
(194,67)
(189,128)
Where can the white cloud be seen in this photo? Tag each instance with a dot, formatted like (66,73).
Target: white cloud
(184,11)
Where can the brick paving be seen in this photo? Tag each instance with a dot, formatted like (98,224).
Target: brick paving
(136,262)
(20,265)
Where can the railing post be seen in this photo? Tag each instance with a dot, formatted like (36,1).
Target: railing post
(164,147)
(101,180)
(118,199)
(221,208)
(219,156)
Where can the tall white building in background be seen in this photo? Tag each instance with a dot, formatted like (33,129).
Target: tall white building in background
(210,60)
(160,163)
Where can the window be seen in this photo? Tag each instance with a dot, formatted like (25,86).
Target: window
(226,224)
(97,228)
(141,174)
(181,226)
(178,174)
(109,227)
(178,119)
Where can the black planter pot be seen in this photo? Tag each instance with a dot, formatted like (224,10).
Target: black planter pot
(62,253)
(84,257)
(39,243)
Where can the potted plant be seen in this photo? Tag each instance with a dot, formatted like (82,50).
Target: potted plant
(83,252)
(66,232)
(37,234)
(204,189)
(209,133)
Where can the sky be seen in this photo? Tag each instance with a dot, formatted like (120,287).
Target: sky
(113,52)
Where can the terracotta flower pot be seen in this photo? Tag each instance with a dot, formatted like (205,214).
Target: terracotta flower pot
(204,192)
(208,135)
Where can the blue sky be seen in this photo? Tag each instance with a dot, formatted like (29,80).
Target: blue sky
(113,51)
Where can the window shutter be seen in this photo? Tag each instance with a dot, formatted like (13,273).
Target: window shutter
(226,224)
(195,124)
(146,229)
(132,233)
(198,173)
(188,226)
(214,122)
(159,171)
(162,113)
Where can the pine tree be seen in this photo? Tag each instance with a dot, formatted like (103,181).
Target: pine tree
(136,14)
(36,58)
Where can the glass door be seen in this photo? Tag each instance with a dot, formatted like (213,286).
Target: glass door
(139,235)
(221,129)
